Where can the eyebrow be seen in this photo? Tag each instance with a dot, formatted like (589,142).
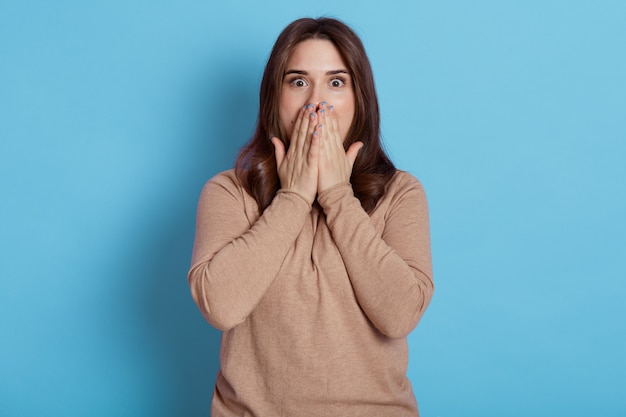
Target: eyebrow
(300,72)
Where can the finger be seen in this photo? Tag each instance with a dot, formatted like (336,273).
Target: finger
(279,150)
(321,116)
(312,124)
(333,127)
(296,135)
(303,134)
(353,152)
(313,151)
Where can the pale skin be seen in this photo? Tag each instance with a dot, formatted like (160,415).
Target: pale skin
(316,111)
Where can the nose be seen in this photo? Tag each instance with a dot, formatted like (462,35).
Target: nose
(315,97)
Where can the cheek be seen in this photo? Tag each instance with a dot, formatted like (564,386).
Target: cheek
(287,120)
(345,120)
(345,115)
(288,113)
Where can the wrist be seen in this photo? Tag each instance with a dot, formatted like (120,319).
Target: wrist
(338,188)
(304,196)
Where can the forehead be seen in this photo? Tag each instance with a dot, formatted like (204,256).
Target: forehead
(315,54)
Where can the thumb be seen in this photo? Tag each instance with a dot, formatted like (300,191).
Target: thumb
(279,150)
(352,152)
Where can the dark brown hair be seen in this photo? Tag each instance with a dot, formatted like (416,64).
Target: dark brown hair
(256,163)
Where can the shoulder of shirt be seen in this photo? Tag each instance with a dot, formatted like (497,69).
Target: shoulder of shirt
(402,181)
(226,178)
(226,181)
(402,185)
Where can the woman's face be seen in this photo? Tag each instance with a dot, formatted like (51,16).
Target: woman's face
(315,72)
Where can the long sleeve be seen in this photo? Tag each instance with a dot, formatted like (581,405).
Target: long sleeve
(391,273)
(313,301)
(234,262)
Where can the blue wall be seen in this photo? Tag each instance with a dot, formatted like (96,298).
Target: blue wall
(113,115)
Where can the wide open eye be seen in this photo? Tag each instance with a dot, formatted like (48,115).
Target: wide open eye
(298,82)
(337,82)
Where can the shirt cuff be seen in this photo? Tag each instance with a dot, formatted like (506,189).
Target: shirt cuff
(334,193)
(300,196)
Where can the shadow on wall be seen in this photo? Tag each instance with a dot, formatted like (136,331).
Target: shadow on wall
(185,347)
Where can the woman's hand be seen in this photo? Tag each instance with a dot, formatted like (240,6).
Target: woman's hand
(298,166)
(335,164)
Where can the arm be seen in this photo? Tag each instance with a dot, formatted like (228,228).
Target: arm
(391,274)
(233,262)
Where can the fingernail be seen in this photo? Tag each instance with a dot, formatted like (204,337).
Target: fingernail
(331,107)
(312,115)
(310,105)
(322,111)
(320,125)
(323,103)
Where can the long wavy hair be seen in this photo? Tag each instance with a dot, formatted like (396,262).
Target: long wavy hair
(256,163)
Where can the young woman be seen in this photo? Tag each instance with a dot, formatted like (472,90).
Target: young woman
(313,255)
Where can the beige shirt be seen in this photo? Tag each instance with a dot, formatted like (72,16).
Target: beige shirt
(315,302)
